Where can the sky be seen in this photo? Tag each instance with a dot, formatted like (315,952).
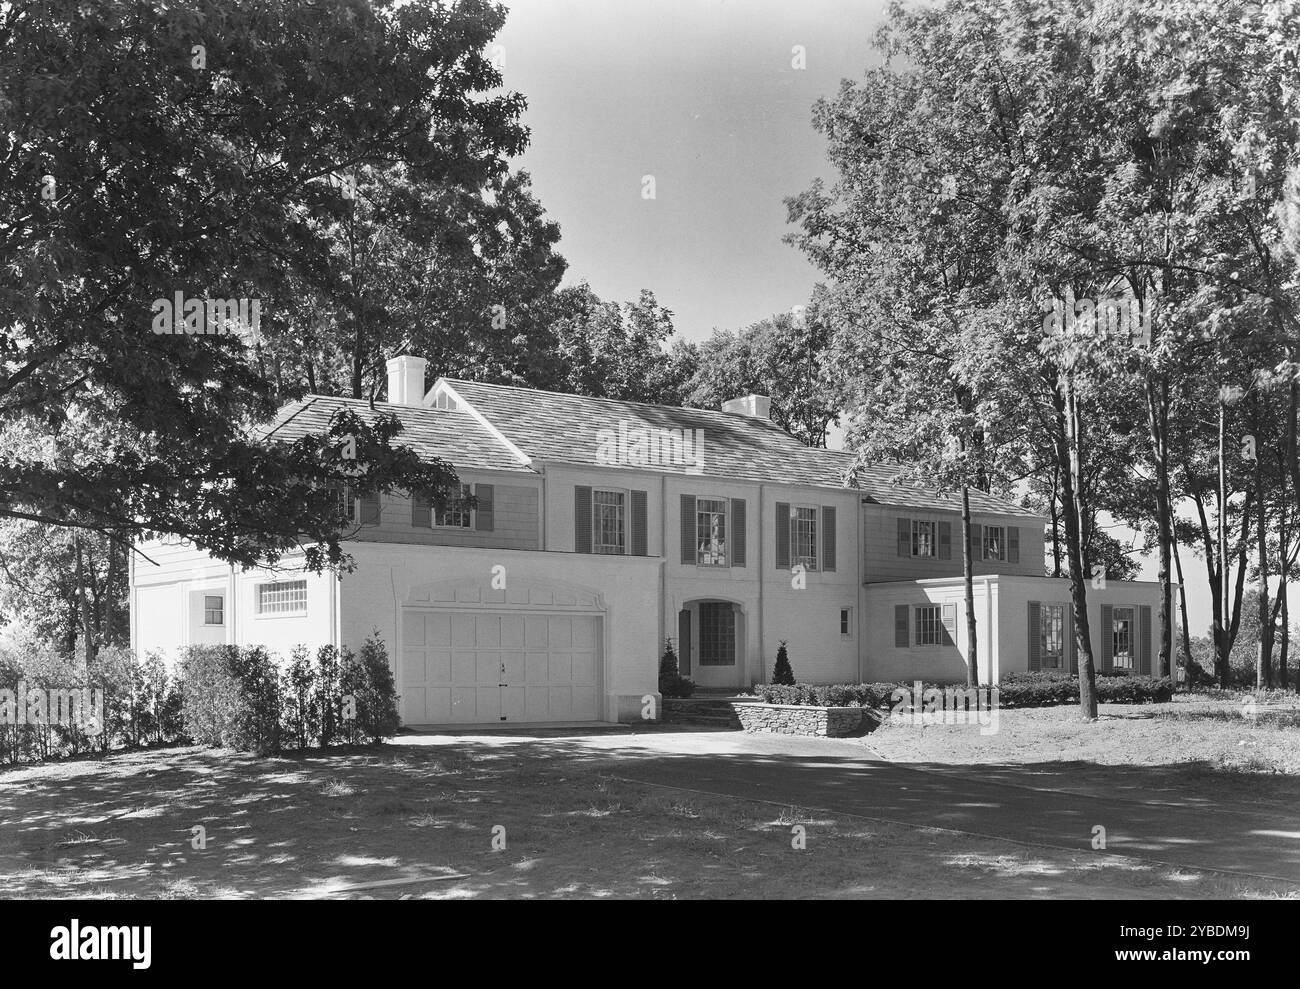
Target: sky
(703,96)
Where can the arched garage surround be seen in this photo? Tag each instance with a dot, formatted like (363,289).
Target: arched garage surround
(534,651)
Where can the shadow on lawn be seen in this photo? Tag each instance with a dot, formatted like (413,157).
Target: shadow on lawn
(313,823)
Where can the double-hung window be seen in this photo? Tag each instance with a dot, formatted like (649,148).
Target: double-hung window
(609,522)
(1122,639)
(214,609)
(994,542)
(924,537)
(929,625)
(455,514)
(803,536)
(711,532)
(347,501)
(1052,637)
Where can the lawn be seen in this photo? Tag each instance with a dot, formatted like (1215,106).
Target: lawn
(419,821)
(1206,743)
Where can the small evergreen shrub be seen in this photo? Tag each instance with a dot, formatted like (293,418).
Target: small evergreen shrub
(671,682)
(368,681)
(782,673)
(210,693)
(256,726)
(301,722)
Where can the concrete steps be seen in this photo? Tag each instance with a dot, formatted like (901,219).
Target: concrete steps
(705,711)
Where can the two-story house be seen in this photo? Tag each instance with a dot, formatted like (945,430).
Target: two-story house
(604,528)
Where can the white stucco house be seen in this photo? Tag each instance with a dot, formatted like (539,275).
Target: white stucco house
(604,528)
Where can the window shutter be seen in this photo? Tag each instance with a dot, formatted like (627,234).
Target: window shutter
(1035,636)
(976,543)
(945,540)
(1144,644)
(737,532)
(1107,637)
(370,509)
(904,537)
(483,520)
(783,535)
(949,624)
(1013,544)
(582,519)
(684,642)
(902,633)
(639,523)
(828,538)
(421,513)
(688,530)
(1071,646)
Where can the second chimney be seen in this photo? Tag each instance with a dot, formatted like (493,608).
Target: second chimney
(406,380)
(754,406)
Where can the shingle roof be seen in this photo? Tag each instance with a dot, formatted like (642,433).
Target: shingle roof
(566,428)
(456,437)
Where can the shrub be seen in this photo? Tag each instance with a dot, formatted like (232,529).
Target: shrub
(209,693)
(824,695)
(231,697)
(782,674)
(256,725)
(671,682)
(1050,688)
(328,699)
(368,681)
(301,704)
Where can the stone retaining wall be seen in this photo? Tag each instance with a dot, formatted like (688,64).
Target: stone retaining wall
(801,719)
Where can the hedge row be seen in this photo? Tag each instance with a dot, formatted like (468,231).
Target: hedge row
(824,695)
(141,702)
(237,697)
(1016,690)
(240,698)
(1048,689)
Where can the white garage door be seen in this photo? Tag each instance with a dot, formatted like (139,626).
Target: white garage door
(484,667)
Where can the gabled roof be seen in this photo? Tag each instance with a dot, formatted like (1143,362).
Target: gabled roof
(566,428)
(456,437)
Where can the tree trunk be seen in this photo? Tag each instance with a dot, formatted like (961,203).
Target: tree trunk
(1264,641)
(1182,604)
(1158,420)
(1071,504)
(1286,641)
(84,603)
(968,578)
(1221,645)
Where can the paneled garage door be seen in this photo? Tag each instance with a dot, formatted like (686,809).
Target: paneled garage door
(485,667)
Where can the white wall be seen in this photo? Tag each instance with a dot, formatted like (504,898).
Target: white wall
(883,661)
(1007,623)
(625,588)
(167,604)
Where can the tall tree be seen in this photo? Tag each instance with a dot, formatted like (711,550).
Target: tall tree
(149,152)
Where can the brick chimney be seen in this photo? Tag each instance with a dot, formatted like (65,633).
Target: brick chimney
(406,380)
(754,406)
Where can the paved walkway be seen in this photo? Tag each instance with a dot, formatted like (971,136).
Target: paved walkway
(1003,801)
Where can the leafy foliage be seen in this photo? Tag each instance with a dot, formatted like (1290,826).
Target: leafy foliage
(824,695)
